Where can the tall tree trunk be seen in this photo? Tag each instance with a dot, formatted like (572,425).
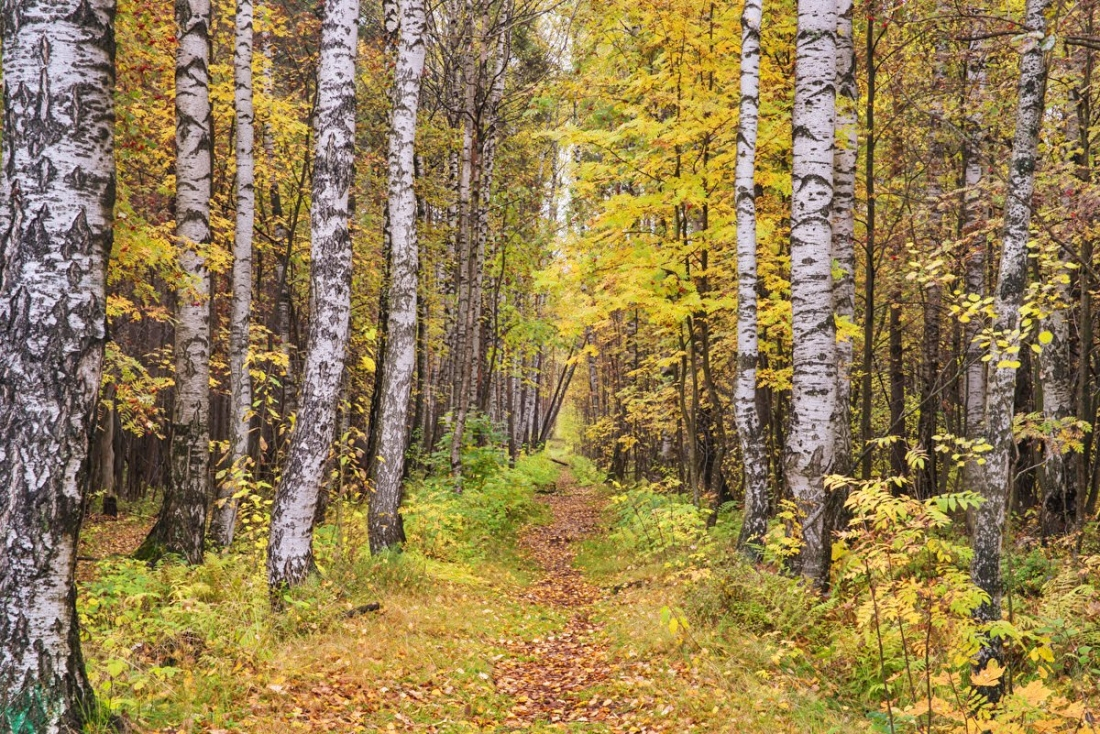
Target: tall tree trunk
(813,390)
(843,253)
(932,300)
(181,526)
(400,361)
(56,206)
(240,380)
(750,431)
(289,551)
(870,264)
(993,479)
(974,382)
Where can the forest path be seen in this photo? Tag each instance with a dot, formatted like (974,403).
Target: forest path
(554,678)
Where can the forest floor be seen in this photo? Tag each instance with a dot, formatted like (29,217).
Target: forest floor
(526,642)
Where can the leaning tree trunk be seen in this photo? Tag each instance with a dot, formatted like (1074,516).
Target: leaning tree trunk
(289,550)
(56,205)
(384,517)
(754,456)
(993,479)
(181,526)
(225,515)
(813,389)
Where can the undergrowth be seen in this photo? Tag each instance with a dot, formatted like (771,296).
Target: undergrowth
(172,643)
(895,635)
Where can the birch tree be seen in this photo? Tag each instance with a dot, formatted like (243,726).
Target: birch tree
(813,390)
(56,206)
(844,223)
(993,480)
(290,552)
(749,429)
(240,381)
(400,358)
(181,525)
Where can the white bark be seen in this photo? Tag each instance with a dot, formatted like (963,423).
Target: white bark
(290,552)
(993,479)
(56,206)
(813,390)
(181,525)
(400,359)
(749,429)
(240,381)
(843,221)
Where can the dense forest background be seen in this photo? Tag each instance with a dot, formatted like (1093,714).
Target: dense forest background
(807,287)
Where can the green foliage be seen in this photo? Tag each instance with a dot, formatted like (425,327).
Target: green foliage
(585,471)
(447,525)
(737,596)
(653,520)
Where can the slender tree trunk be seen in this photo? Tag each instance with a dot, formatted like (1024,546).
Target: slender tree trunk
(993,479)
(870,266)
(1056,379)
(56,205)
(290,552)
(750,431)
(400,362)
(843,254)
(810,441)
(225,515)
(181,526)
(898,465)
(973,398)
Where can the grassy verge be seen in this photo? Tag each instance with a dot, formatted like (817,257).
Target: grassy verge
(198,649)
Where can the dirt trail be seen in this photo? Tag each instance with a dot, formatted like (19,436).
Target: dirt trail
(551,678)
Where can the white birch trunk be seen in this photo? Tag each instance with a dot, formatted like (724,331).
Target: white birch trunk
(56,204)
(749,429)
(810,438)
(993,480)
(844,223)
(181,525)
(400,359)
(290,551)
(240,381)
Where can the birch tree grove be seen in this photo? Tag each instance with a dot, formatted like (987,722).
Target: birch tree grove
(56,209)
(225,513)
(290,551)
(776,317)
(401,312)
(810,445)
(993,480)
(749,429)
(181,524)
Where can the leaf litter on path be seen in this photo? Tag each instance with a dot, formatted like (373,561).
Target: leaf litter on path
(552,678)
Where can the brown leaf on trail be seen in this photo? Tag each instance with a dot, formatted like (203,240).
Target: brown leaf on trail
(551,678)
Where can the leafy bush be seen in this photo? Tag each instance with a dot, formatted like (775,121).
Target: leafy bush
(449,525)
(652,520)
(738,596)
(586,472)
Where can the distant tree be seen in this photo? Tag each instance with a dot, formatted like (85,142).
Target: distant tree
(57,196)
